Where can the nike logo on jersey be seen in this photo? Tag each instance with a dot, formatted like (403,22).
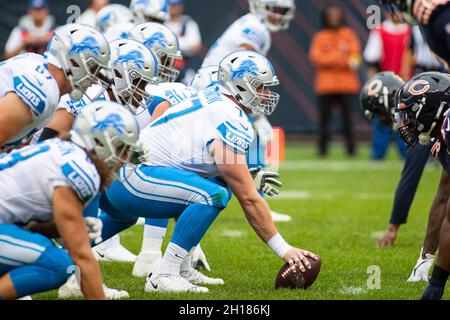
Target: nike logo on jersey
(245,128)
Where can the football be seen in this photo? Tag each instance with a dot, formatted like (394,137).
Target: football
(298,280)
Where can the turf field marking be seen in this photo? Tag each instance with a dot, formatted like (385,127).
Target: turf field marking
(232,233)
(349,165)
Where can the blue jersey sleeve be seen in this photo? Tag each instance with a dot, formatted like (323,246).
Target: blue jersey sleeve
(154,103)
(236,137)
(80,181)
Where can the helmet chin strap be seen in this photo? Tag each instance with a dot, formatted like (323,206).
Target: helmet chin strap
(425,138)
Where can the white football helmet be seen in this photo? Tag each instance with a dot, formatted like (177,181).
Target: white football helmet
(113,14)
(164,44)
(247,76)
(150,10)
(108,129)
(205,78)
(276,14)
(134,67)
(83,54)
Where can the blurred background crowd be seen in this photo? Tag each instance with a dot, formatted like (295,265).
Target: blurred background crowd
(322,60)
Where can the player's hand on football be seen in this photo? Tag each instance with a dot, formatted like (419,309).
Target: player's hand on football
(266,181)
(297,259)
(94,228)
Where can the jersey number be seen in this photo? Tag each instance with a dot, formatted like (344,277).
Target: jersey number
(11,159)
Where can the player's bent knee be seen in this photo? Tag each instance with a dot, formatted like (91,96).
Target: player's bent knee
(58,264)
(221,197)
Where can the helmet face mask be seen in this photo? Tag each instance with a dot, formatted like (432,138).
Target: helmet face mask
(164,43)
(135,67)
(167,71)
(276,14)
(248,76)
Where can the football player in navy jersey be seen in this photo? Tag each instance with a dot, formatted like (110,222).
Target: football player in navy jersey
(423,117)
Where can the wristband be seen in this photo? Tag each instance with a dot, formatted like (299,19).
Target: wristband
(278,245)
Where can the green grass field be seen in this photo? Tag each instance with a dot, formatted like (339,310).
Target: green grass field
(339,207)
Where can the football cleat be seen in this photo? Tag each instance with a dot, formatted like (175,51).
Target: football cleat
(71,289)
(198,278)
(422,268)
(146,262)
(279,217)
(171,283)
(115,254)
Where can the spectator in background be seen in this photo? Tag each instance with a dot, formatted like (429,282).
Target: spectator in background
(89,17)
(336,54)
(388,49)
(33,32)
(189,38)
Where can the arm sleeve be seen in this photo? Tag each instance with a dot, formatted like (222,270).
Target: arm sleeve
(373,51)
(254,37)
(236,136)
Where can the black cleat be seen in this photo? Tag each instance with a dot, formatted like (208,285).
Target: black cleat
(433,293)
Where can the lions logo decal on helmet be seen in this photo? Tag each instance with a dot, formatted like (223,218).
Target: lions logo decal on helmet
(88,44)
(245,67)
(113,121)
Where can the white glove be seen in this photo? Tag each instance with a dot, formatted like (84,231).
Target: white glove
(422,268)
(139,153)
(264,129)
(199,259)
(264,180)
(94,229)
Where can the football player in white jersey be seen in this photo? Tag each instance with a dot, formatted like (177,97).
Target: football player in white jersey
(150,11)
(253,32)
(31,85)
(202,137)
(115,21)
(45,188)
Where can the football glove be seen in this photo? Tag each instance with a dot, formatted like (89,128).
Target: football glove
(94,229)
(138,153)
(265,180)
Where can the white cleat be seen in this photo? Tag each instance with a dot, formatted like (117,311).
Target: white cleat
(141,221)
(422,268)
(146,262)
(199,259)
(196,277)
(25,298)
(71,290)
(171,283)
(279,217)
(115,254)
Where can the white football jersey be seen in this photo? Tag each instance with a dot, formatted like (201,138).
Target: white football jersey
(173,92)
(30,174)
(74,107)
(249,30)
(27,75)
(181,137)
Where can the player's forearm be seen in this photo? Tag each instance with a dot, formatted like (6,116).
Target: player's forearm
(258,215)
(91,278)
